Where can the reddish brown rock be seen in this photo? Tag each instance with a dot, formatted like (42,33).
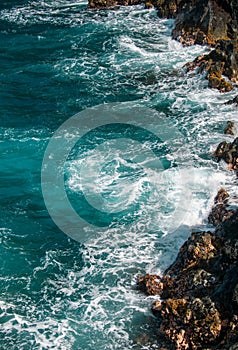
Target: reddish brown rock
(220,211)
(150,284)
(199,291)
(212,22)
(201,21)
(229,153)
(220,62)
(102,4)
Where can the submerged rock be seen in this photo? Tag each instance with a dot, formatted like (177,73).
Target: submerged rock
(199,291)
(234,100)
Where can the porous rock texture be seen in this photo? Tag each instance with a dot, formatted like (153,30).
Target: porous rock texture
(199,291)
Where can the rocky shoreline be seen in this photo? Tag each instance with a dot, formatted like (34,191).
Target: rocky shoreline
(199,291)
(198,305)
(204,22)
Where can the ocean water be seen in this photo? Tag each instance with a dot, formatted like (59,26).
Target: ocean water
(58,59)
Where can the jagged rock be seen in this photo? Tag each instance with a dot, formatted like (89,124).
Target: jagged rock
(212,22)
(199,291)
(189,323)
(220,211)
(222,61)
(166,8)
(222,197)
(229,153)
(230,128)
(221,150)
(102,4)
(201,21)
(150,284)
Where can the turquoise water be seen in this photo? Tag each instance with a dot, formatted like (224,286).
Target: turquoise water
(58,59)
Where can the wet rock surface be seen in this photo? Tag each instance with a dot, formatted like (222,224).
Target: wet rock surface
(198,294)
(102,4)
(198,308)
(230,128)
(201,21)
(220,62)
(228,152)
(212,22)
(221,210)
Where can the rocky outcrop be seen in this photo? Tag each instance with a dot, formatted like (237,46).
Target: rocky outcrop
(166,8)
(228,151)
(201,21)
(220,211)
(102,4)
(230,128)
(220,62)
(199,291)
(212,22)
(198,306)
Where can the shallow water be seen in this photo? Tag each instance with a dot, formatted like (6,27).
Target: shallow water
(57,59)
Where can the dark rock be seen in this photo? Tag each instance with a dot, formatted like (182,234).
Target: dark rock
(229,129)
(222,197)
(220,62)
(229,153)
(221,150)
(212,22)
(150,284)
(202,21)
(102,4)
(166,8)
(189,323)
(234,100)
(220,211)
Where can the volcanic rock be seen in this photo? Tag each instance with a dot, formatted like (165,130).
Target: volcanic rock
(199,291)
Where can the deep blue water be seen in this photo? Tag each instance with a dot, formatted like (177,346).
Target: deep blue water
(59,59)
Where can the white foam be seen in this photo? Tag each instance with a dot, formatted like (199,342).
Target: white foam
(93,304)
